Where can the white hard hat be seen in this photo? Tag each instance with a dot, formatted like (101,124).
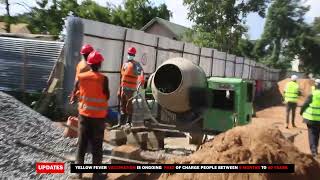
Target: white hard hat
(317,81)
(294,77)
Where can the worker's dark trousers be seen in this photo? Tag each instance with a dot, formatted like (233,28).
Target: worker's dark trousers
(91,130)
(126,103)
(313,134)
(291,107)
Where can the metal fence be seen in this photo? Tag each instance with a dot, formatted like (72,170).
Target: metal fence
(26,64)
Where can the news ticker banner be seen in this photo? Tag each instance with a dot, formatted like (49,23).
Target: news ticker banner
(183,168)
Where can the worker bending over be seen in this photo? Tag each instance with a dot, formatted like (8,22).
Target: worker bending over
(131,77)
(310,112)
(93,106)
(291,95)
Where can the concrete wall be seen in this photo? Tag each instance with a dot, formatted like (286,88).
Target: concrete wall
(152,51)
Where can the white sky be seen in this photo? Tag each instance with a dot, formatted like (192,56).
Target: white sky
(179,13)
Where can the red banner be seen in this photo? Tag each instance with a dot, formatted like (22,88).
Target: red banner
(49,167)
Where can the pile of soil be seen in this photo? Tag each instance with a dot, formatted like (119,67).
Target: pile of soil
(304,85)
(251,144)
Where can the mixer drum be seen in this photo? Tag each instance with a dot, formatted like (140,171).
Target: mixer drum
(172,80)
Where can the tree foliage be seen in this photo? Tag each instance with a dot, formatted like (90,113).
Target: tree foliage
(8,18)
(308,48)
(284,27)
(47,18)
(137,13)
(221,23)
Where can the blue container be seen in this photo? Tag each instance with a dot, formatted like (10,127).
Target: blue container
(112,115)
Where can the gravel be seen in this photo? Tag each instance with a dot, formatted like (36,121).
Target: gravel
(20,123)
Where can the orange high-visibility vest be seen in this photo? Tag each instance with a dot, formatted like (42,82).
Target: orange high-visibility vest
(129,78)
(92,99)
(81,67)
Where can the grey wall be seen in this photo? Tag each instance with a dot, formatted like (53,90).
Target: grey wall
(113,42)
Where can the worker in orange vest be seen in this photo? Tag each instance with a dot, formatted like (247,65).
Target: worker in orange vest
(131,77)
(93,109)
(82,66)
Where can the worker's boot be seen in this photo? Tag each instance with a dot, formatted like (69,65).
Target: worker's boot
(129,120)
(120,121)
(293,125)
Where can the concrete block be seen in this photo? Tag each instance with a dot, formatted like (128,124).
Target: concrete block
(116,137)
(219,63)
(99,29)
(127,151)
(110,50)
(230,65)
(142,37)
(138,139)
(155,140)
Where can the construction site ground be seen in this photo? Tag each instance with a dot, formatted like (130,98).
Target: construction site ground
(270,117)
(275,117)
(27,126)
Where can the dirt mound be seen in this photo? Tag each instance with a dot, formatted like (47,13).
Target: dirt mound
(250,144)
(304,85)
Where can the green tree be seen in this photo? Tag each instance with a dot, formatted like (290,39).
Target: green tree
(245,48)
(91,10)
(221,23)
(307,48)
(284,26)
(316,28)
(48,19)
(137,13)
(8,18)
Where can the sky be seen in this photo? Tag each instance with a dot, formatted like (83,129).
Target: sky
(179,13)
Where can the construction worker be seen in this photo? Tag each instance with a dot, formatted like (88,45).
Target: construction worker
(93,108)
(131,77)
(316,82)
(291,95)
(82,66)
(310,112)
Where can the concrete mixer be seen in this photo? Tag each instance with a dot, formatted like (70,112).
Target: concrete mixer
(190,102)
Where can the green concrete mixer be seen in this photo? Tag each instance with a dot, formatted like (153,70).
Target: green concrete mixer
(190,102)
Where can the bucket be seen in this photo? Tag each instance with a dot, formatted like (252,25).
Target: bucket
(112,117)
(68,132)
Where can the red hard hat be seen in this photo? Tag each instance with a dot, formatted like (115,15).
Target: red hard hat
(95,58)
(132,50)
(86,49)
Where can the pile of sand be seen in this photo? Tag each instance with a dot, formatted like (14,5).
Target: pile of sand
(250,144)
(304,85)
